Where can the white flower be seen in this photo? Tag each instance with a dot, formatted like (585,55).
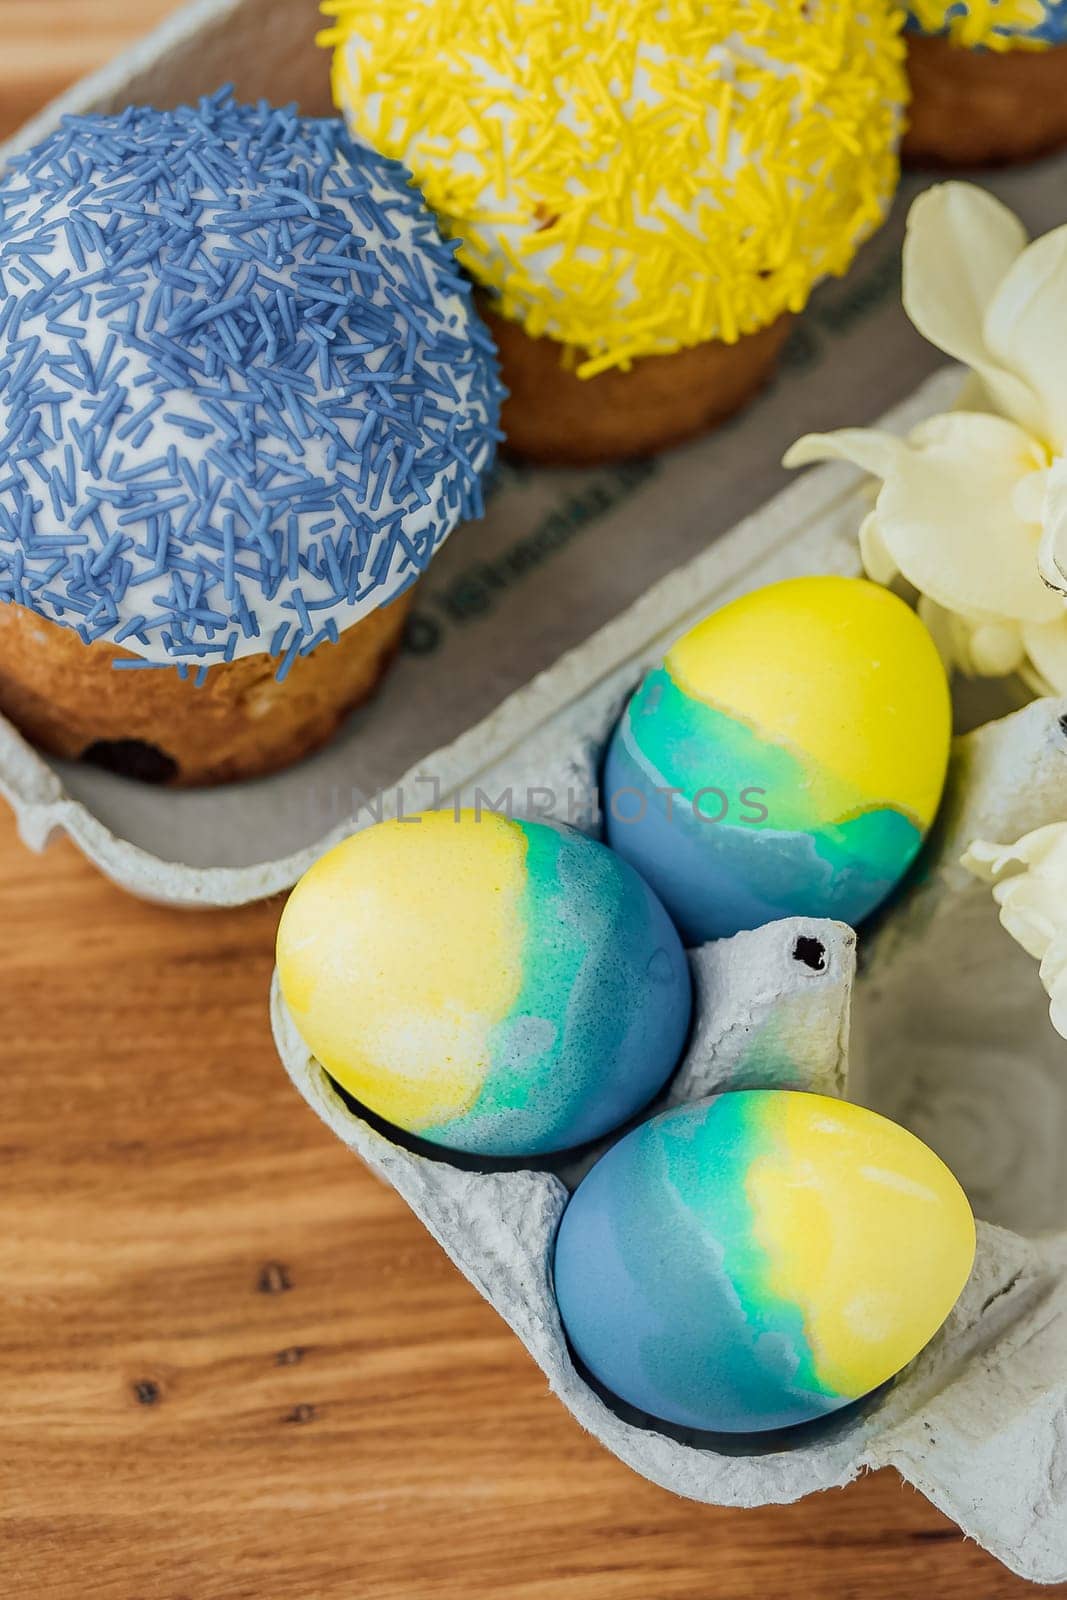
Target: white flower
(1030,881)
(973,506)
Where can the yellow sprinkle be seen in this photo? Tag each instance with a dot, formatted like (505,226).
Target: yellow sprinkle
(632,177)
(722,131)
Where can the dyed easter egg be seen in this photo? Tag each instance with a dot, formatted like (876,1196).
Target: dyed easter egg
(786,759)
(496,986)
(759,1259)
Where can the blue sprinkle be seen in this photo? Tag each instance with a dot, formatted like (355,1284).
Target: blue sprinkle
(289,657)
(189,425)
(229,587)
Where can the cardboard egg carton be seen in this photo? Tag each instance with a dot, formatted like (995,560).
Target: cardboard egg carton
(500,695)
(945,1029)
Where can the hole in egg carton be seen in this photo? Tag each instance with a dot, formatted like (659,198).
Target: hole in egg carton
(811,952)
(946,1030)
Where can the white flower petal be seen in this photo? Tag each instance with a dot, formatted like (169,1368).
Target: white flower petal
(1023,329)
(1046,645)
(978,647)
(1054,977)
(1048,554)
(954,635)
(995,649)
(877,453)
(1033,901)
(1029,498)
(960,244)
(1045,848)
(1058,1007)
(987,860)
(973,396)
(1052,552)
(1028,910)
(946,518)
(878,564)
(1054,961)
(943,629)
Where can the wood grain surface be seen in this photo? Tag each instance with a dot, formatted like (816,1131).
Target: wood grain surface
(46,44)
(234,1367)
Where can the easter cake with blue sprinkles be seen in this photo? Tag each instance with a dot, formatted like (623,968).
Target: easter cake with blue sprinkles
(244,397)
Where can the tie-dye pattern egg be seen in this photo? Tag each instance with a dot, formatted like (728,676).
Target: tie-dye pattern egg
(495,986)
(786,759)
(760,1259)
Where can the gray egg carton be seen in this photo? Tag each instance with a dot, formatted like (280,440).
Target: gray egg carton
(945,1028)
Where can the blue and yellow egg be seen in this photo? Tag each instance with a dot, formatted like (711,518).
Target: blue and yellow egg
(786,759)
(760,1259)
(495,986)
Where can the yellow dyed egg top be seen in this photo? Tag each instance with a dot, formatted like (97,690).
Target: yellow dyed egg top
(840,670)
(633,177)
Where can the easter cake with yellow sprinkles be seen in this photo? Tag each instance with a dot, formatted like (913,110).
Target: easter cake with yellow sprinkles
(988,80)
(644,192)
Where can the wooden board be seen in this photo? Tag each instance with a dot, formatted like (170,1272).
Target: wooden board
(234,1367)
(46,44)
